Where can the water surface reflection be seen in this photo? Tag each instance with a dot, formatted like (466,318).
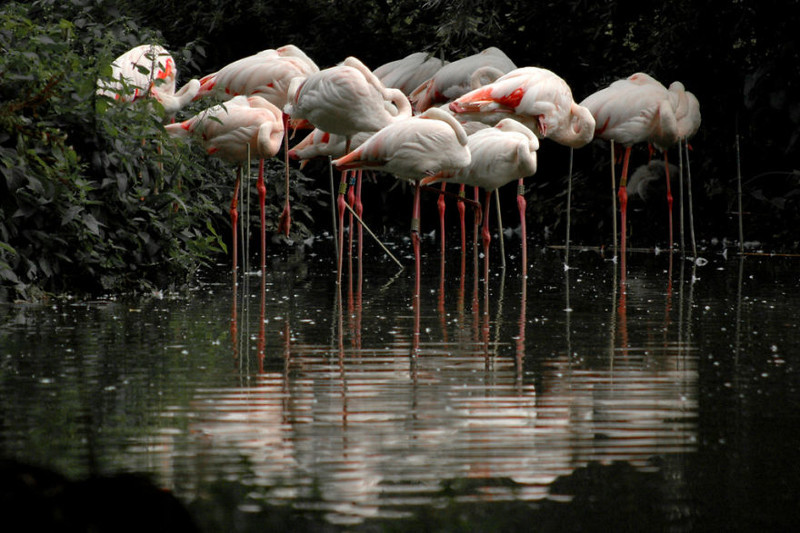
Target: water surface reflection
(366,402)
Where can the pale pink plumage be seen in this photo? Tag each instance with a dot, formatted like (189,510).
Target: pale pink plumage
(409,72)
(346,99)
(226,130)
(229,131)
(267,74)
(413,148)
(632,110)
(147,70)
(320,143)
(499,155)
(457,78)
(536,97)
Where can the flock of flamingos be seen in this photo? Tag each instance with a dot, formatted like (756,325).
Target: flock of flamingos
(476,121)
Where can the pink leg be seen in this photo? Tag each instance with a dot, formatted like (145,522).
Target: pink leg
(262,196)
(234,222)
(461,212)
(440,204)
(522,204)
(340,204)
(286,217)
(415,227)
(359,208)
(623,199)
(669,197)
(485,234)
(477,217)
(351,201)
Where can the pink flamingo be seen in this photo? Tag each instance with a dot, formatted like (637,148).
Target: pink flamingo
(147,70)
(452,81)
(687,113)
(409,72)
(632,110)
(267,74)
(456,78)
(412,149)
(539,99)
(500,155)
(242,127)
(346,99)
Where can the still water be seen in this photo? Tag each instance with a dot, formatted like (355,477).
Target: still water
(667,400)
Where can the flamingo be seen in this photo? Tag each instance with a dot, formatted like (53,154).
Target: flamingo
(451,81)
(147,70)
(244,126)
(500,154)
(632,110)
(412,149)
(539,99)
(456,78)
(409,72)
(267,74)
(345,100)
(687,113)
(320,143)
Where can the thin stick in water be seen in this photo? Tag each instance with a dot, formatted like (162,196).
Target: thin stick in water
(691,202)
(385,249)
(569,209)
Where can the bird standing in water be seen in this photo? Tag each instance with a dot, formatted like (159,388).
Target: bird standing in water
(242,127)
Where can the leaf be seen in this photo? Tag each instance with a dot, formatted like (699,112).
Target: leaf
(91,224)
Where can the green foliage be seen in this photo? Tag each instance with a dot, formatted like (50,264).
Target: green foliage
(94,195)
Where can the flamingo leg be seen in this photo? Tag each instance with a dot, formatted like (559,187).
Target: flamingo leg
(613,200)
(477,218)
(359,211)
(234,212)
(522,204)
(286,217)
(262,196)
(669,197)
(351,201)
(623,199)
(340,204)
(415,228)
(461,214)
(486,234)
(441,205)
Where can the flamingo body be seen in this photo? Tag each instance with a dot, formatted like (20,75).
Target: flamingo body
(413,148)
(346,99)
(320,143)
(267,74)
(409,72)
(147,70)
(459,77)
(536,97)
(630,111)
(499,155)
(226,130)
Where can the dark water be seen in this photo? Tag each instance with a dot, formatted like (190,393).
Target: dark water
(572,401)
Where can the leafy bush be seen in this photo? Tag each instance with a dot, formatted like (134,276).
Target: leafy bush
(95,196)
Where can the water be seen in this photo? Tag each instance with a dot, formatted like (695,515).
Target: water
(571,401)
